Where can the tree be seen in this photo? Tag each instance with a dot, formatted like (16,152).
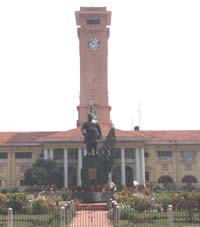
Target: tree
(43,173)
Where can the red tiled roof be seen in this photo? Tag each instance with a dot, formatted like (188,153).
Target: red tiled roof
(17,138)
(75,135)
(6,136)
(173,135)
(34,138)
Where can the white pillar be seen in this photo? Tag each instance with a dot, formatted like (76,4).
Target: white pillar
(137,165)
(45,154)
(51,154)
(142,166)
(123,170)
(79,167)
(84,152)
(65,168)
(110,177)
(10,217)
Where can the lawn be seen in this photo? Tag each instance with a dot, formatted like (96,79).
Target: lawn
(158,219)
(51,219)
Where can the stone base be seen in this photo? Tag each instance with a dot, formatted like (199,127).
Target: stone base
(93,172)
(92,197)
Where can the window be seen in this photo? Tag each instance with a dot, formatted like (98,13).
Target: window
(93,21)
(58,154)
(23,155)
(22,169)
(164,155)
(130,153)
(41,155)
(3,155)
(165,167)
(188,166)
(187,155)
(22,182)
(146,176)
(73,153)
(117,152)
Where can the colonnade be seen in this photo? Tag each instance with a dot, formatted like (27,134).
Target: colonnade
(139,165)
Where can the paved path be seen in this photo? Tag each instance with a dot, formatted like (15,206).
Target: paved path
(91,218)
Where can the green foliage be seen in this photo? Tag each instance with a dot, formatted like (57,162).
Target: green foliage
(2,199)
(43,173)
(179,200)
(124,213)
(124,197)
(65,193)
(39,207)
(141,203)
(16,201)
(138,201)
(164,199)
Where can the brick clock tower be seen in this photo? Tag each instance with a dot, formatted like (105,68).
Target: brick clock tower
(93,33)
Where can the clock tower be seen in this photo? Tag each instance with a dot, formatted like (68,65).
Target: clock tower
(93,33)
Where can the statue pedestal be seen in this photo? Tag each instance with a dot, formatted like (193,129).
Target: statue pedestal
(94,172)
(94,175)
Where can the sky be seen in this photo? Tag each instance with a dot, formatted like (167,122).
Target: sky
(153,64)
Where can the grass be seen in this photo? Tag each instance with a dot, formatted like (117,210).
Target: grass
(50,218)
(28,220)
(158,219)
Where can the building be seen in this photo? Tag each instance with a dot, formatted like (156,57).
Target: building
(144,156)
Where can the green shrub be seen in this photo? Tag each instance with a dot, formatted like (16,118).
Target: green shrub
(3,199)
(39,207)
(165,199)
(124,213)
(127,214)
(16,201)
(131,216)
(124,197)
(65,194)
(141,203)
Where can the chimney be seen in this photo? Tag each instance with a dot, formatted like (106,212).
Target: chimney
(137,128)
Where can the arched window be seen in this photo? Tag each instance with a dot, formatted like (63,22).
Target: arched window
(189,179)
(116,175)
(165,179)
(72,177)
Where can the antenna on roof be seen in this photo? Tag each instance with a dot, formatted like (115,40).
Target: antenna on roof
(139,114)
(132,123)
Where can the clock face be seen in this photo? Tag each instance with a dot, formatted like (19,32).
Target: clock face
(93,44)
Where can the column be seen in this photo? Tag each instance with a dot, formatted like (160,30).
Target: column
(51,154)
(65,168)
(84,152)
(137,165)
(110,177)
(45,154)
(174,165)
(79,167)
(123,170)
(142,166)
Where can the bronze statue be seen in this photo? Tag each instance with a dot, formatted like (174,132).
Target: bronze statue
(92,133)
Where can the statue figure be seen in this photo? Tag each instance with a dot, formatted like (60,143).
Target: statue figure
(97,168)
(92,133)
(106,150)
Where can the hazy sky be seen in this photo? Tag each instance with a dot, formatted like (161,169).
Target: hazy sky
(154,64)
